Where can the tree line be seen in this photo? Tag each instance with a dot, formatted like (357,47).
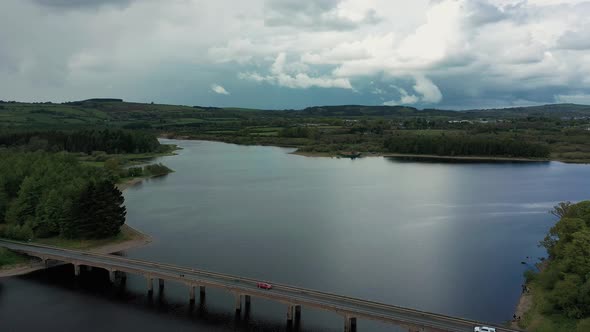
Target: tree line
(46,195)
(111,141)
(566,278)
(449,145)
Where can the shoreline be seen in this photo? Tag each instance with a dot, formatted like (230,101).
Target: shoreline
(525,302)
(384,154)
(138,240)
(420,156)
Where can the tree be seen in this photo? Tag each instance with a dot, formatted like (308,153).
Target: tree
(109,212)
(53,194)
(23,208)
(560,234)
(560,210)
(50,212)
(99,212)
(565,296)
(3,201)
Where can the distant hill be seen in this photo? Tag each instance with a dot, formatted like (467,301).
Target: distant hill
(116,112)
(551,110)
(362,110)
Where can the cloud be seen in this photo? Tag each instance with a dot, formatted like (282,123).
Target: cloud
(81,4)
(289,75)
(219,89)
(472,52)
(578,39)
(574,99)
(314,15)
(426,92)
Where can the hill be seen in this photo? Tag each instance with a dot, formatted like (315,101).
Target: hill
(562,128)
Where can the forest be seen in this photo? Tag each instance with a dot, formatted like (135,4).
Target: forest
(463,145)
(562,289)
(53,195)
(107,140)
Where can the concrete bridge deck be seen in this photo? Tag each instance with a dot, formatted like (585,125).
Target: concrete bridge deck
(245,288)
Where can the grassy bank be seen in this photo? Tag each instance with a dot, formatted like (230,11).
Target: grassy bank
(535,321)
(126,234)
(99,159)
(9,259)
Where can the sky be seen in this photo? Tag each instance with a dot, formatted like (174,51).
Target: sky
(291,54)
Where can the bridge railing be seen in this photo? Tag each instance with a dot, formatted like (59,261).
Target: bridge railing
(277,286)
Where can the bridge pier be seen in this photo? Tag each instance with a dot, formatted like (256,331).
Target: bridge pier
(297,313)
(76,270)
(290,313)
(150,285)
(202,293)
(238,303)
(161,283)
(247,301)
(112,276)
(349,324)
(191,294)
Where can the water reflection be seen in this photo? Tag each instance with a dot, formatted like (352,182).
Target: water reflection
(441,237)
(451,160)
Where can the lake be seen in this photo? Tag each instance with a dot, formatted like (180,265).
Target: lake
(436,236)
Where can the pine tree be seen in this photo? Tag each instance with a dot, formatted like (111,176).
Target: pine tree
(23,208)
(3,201)
(109,212)
(50,213)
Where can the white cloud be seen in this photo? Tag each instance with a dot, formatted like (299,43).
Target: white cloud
(289,75)
(425,92)
(428,90)
(219,89)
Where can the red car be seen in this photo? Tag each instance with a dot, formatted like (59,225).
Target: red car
(264,285)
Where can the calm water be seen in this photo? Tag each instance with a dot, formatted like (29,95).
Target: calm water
(441,237)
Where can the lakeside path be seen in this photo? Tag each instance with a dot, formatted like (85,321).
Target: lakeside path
(134,239)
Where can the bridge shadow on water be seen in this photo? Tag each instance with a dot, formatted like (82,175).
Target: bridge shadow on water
(166,302)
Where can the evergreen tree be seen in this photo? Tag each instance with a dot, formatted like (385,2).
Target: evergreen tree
(23,208)
(50,212)
(109,212)
(3,201)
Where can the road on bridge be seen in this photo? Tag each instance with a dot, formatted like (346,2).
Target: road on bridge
(346,306)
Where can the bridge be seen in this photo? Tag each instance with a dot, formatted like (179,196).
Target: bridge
(244,289)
